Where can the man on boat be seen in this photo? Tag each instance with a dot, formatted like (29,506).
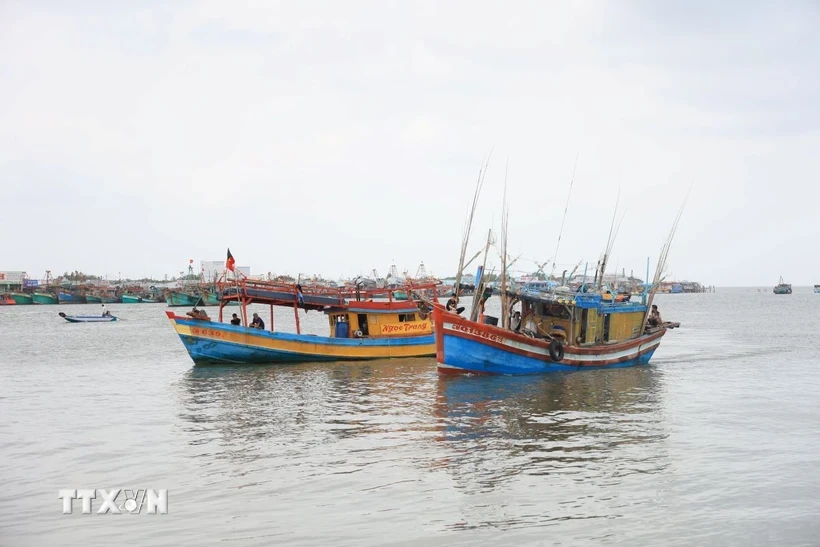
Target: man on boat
(257,322)
(235,320)
(198,314)
(655,317)
(452,305)
(105,312)
(515,322)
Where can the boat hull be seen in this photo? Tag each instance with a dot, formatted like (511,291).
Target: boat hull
(130,299)
(92,299)
(43,298)
(70,298)
(88,318)
(463,346)
(109,299)
(178,299)
(22,299)
(212,342)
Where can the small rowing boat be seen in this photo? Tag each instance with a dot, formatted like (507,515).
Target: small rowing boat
(87,318)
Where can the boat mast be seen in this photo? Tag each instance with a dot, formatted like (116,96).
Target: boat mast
(564,218)
(468,225)
(505,217)
(662,259)
(479,282)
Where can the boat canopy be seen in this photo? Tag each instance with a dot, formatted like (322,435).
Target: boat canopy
(580,300)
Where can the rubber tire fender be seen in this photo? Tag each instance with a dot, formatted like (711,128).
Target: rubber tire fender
(556,351)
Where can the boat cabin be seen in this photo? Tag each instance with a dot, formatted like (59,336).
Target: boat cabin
(583,319)
(352,313)
(371,319)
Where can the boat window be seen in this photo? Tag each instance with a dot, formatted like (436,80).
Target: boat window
(407,317)
(363,324)
(607,317)
(584,323)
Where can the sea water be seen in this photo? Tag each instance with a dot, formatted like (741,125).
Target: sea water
(717,442)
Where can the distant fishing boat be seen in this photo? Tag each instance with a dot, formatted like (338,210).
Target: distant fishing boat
(92,299)
(64,297)
(88,318)
(359,328)
(179,299)
(44,298)
(21,298)
(817,289)
(131,299)
(782,287)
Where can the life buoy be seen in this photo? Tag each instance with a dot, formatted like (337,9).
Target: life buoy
(556,351)
(357,334)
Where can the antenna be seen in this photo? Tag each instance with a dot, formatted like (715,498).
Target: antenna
(563,218)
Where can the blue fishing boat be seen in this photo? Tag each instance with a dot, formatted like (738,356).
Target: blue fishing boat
(561,333)
(64,297)
(88,318)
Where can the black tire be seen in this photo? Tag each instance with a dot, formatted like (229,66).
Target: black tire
(556,351)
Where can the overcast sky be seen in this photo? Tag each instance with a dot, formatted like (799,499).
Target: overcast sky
(338,137)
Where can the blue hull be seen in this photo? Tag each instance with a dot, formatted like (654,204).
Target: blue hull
(479,358)
(69,298)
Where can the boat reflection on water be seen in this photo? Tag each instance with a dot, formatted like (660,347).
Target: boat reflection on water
(570,434)
(303,406)
(497,451)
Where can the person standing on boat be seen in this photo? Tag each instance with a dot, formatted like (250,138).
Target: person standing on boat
(235,320)
(655,317)
(257,322)
(515,322)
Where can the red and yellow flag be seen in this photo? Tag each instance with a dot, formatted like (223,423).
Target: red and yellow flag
(230,262)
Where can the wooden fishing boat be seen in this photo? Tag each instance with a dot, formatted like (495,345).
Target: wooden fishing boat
(88,318)
(92,299)
(131,299)
(44,298)
(21,298)
(65,297)
(782,287)
(571,332)
(180,299)
(359,328)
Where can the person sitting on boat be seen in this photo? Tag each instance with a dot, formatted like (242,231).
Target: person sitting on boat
(257,322)
(235,320)
(655,317)
(105,312)
(515,322)
(198,314)
(452,305)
